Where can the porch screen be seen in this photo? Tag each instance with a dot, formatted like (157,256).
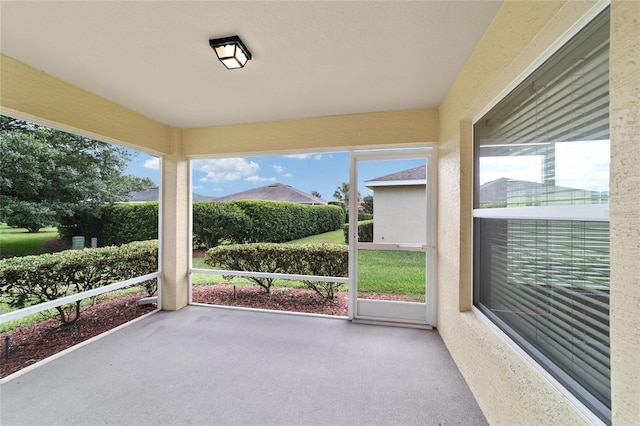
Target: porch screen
(541,226)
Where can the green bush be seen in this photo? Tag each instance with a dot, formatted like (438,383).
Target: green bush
(116,224)
(253,221)
(365,231)
(216,222)
(124,223)
(300,259)
(280,221)
(25,281)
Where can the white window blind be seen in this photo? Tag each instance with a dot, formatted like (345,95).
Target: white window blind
(545,281)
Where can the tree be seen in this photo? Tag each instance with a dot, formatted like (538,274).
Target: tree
(342,193)
(316,194)
(46,174)
(367,204)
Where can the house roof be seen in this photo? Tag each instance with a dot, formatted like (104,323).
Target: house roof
(152,194)
(310,59)
(274,192)
(413,176)
(499,190)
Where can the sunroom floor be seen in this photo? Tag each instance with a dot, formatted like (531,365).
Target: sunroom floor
(203,365)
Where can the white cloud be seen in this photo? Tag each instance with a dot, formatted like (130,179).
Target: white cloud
(581,165)
(305,156)
(526,167)
(256,179)
(278,169)
(152,163)
(225,169)
(287,175)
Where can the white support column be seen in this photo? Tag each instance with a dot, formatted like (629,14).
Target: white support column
(174,240)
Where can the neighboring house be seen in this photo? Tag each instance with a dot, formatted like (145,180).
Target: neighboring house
(505,192)
(400,206)
(152,194)
(274,192)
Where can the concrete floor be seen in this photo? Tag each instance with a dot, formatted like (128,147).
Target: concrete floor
(215,366)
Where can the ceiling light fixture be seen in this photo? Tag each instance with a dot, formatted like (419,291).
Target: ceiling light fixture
(231,51)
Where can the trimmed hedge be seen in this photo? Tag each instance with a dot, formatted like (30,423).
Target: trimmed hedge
(300,259)
(219,222)
(252,221)
(25,281)
(281,221)
(365,231)
(117,224)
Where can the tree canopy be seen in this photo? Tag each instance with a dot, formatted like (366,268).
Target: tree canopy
(47,174)
(342,193)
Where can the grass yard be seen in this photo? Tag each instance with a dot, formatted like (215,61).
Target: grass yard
(19,242)
(398,272)
(332,237)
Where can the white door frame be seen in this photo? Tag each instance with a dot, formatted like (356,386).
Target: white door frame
(413,313)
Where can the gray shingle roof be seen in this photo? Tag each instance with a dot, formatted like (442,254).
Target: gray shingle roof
(414,173)
(152,195)
(275,192)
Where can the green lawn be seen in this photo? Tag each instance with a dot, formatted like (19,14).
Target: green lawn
(332,237)
(398,272)
(22,243)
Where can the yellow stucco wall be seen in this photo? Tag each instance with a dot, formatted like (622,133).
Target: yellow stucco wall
(335,133)
(33,95)
(625,211)
(506,386)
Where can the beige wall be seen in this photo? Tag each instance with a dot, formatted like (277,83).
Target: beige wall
(507,388)
(396,213)
(326,133)
(625,211)
(33,95)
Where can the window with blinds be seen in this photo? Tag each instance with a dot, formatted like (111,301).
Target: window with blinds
(541,227)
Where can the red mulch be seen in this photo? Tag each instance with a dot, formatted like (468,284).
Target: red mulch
(280,299)
(40,340)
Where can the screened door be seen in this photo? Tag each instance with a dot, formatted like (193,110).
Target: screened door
(392,241)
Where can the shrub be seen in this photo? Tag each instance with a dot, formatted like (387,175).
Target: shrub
(116,224)
(252,221)
(280,221)
(299,259)
(259,257)
(215,222)
(29,280)
(124,223)
(365,231)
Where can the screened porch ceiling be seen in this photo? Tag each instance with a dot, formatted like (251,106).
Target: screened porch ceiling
(310,59)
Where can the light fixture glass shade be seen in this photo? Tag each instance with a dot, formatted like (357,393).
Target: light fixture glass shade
(231,51)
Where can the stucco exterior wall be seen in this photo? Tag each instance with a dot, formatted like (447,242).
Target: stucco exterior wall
(31,94)
(325,133)
(399,214)
(625,211)
(507,387)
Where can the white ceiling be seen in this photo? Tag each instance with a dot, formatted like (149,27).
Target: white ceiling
(310,59)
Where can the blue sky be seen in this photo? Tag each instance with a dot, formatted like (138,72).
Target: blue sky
(323,172)
(578,165)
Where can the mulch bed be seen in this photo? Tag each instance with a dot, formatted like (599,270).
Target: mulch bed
(280,299)
(40,340)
